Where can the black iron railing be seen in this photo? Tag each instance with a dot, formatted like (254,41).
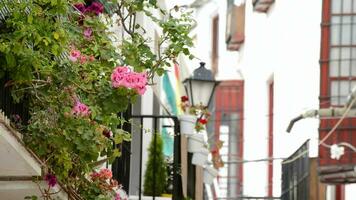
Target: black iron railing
(174,176)
(17,112)
(295,175)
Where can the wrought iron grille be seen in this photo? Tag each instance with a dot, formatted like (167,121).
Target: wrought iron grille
(174,178)
(295,175)
(18,112)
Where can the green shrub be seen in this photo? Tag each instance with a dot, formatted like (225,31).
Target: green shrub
(156,169)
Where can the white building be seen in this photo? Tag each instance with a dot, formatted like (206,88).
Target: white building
(276,52)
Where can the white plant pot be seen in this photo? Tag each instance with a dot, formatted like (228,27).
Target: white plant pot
(187,124)
(195,142)
(210,174)
(200,157)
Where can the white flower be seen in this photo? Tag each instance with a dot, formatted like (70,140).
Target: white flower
(336,151)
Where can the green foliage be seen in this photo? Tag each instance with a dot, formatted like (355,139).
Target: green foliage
(33,197)
(156,168)
(35,43)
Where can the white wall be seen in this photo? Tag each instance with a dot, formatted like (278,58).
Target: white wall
(283,44)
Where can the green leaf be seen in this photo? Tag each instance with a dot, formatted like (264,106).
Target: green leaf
(160,71)
(30,19)
(33,197)
(118,138)
(116,153)
(54,2)
(55,50)
(127,137)
(56,35)
(10,59)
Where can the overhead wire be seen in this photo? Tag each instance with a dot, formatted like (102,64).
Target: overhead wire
(337,124)
(322,141)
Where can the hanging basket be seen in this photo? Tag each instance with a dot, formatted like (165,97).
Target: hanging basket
(200,157)
(195,143)
(187,124)
(209,174)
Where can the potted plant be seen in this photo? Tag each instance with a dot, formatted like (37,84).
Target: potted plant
(195,117)
(188,119)
(216,157)
(209,174)
(194,121)
(200,157)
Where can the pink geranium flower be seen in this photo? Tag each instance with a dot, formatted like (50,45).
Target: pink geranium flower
(51,180)
(80,109)
(124,77)
(91,58)
(83,59)
(105,173)
(118,75)
(74,55)
(141,90)
(96,8)
(87,33)
(80,7)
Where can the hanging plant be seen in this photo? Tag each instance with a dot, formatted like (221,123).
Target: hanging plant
(200,111)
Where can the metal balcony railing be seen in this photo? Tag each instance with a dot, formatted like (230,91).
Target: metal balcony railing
(295,175)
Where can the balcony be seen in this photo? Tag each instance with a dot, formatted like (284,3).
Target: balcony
(342,170)
(235,26)
(300,177)
(262,6)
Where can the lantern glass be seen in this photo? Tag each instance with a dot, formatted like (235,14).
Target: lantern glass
(200,88)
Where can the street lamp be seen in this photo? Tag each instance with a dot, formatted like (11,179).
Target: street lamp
(200,87)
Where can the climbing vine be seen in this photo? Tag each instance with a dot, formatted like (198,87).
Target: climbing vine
(61,56)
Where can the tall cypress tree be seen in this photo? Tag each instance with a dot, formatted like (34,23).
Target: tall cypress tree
(156,168)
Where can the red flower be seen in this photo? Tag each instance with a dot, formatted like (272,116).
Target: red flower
(51,180)
(80,7)
(96,8)
(107,133)
(203,121)
(214,151)
(184,98)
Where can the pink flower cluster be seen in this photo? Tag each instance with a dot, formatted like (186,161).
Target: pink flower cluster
(75,55)
(122,76)
(121,193)
(95,7)
(51,180)
(120,197)
(80,109)
(103,174)
(87,32)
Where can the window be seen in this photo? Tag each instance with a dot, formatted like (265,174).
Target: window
(228,127)
(262,5)
(338,77)
(342,51)
(235,26)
